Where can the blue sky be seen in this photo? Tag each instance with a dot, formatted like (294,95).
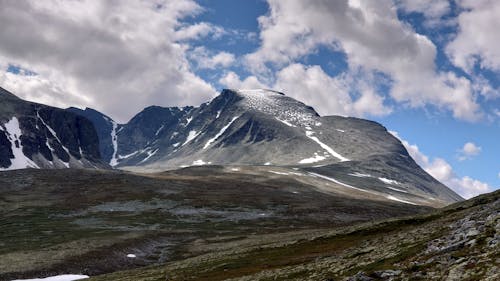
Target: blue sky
(427,70)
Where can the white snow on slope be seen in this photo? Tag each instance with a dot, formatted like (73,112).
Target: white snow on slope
(310,134)
(52,132)
(388,181)
(218,114)
(339,182)
(396,189)
(314,159)
(272,103)
(66,277)
(200,163)
(159,130)
(339,130)
(150,154)
(390,197)
(114,140)
(191,136)
(210,141)
(20,161)
(188,121)
(285,122)
(360,175)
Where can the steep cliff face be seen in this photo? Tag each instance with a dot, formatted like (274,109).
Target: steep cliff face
(38,136)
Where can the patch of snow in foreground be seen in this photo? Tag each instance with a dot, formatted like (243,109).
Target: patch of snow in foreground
(66,277)
(388,181)
(313,159)
(309,134)
(191,136)
(210,141)
(390,197)
(339,182)
(20,161)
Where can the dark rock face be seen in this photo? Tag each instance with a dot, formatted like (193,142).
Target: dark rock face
(49,137)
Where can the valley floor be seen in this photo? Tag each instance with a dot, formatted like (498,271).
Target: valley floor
(217,223)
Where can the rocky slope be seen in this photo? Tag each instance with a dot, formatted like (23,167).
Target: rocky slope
(263,127)
(93,222)
(38,136)
(459,242)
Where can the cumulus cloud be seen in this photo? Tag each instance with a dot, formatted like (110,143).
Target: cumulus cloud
(433,10)
(205,59)
(468,151)
(373,39)
(311,85)
(115,56)
(477,40)
(441,170)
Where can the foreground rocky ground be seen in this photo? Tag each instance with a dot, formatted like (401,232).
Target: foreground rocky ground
(460,242)
(96,222)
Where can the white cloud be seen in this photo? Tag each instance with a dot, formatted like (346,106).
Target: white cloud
(433,10)
(373,38)
(477,40)
(115,56)
(468,151)
(441,170)
(209,60)
(314,87)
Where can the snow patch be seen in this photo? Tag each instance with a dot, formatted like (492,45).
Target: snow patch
(114,140)
(396,189)
(339,130)
(388,181)
(210,141)
(191,136)
(218,114)
(150,154)
(131,256)
(339,182)
(65,277)
(159,130)
(310,134)
(200,163)
(390,197)
(279,173)
(176,144)
(188,121)
(360,175)
(285,122)
(267,163)
(20,161)
(314,159)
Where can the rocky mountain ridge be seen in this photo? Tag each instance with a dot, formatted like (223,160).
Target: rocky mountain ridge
(267,128)
(34,135)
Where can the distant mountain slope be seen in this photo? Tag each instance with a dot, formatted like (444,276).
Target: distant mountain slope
(38,136)
(264,127)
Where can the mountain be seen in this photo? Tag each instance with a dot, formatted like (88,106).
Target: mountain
(264,127)
(33,135)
